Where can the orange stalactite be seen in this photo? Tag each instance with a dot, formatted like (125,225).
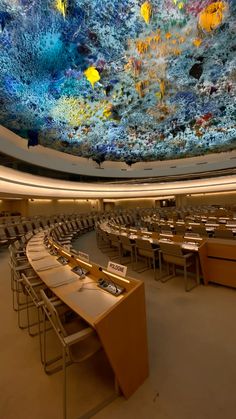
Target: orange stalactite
(212,16)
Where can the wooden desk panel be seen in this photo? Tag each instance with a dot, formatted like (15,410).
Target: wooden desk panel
(220,262)
(222,272)
(222,248)
(124,343)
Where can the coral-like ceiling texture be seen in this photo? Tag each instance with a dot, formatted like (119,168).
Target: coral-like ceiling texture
(120,80)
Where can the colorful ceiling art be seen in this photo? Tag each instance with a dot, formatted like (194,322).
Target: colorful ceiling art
(123,80)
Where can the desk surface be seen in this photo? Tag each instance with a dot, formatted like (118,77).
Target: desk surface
(83,296)
(120,322)
(148,236)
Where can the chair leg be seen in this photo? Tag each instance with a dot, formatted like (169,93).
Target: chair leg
(196,280)
(132,258)
(185,278)
(40,336)
(154,266)
(165,278)
(47,363)
(64,382)
(197,271)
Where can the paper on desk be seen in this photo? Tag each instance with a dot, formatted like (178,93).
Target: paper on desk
(39,257)
(58,283)
(36,249)
(61,277)
(45,268)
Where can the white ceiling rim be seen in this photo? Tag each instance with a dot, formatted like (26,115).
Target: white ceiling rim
(15,146)
(14,183)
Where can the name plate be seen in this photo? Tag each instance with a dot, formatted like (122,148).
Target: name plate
(83,256)
(115,268)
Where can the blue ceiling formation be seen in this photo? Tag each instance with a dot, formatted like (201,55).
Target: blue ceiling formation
(122,80)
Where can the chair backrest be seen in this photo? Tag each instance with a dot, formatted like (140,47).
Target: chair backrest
(224,234)
(2,233)
(79,224)
(28,226)
(17,245)
(143,244)
(36,224)
(114,237)
(125,240)
(84,222)
(42,223)
(53,315)
(73,223)
(68,225)
(29,235)
(171,249)
(200,230)
(180,228)
(11,231)
(27,286)
(20,229)
(23,240)
(90,221)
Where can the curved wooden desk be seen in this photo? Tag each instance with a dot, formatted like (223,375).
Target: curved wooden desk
(217,256)
(120,322)
(196,245)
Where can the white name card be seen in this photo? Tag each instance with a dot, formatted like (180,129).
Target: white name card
(83,256)
(115,268)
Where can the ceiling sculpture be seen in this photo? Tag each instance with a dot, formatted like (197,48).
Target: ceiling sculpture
(122,80)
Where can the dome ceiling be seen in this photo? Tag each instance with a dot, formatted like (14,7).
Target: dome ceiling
(127,81)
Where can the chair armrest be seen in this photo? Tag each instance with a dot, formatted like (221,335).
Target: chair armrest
(22,267)
(31,277)
(78,336)
(188,255)
(36,284)
(18,252)
(21,258)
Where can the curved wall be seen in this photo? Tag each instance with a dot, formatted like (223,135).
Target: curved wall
(15,146)
(14,183)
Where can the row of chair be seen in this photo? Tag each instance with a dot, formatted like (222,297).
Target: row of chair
(182,229)
(118,246)
(30,294)
(10,233)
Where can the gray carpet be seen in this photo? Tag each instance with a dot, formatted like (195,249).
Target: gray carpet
(192,348)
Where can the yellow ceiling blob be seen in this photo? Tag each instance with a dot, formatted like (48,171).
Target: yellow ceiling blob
(61,6)
(77,111)
(146,11)
(92,75)
(179,4)
(212,16)
(197,42)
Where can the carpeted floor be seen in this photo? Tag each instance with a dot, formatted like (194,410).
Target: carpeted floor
(192,351)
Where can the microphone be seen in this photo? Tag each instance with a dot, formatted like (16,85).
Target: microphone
(107,276)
